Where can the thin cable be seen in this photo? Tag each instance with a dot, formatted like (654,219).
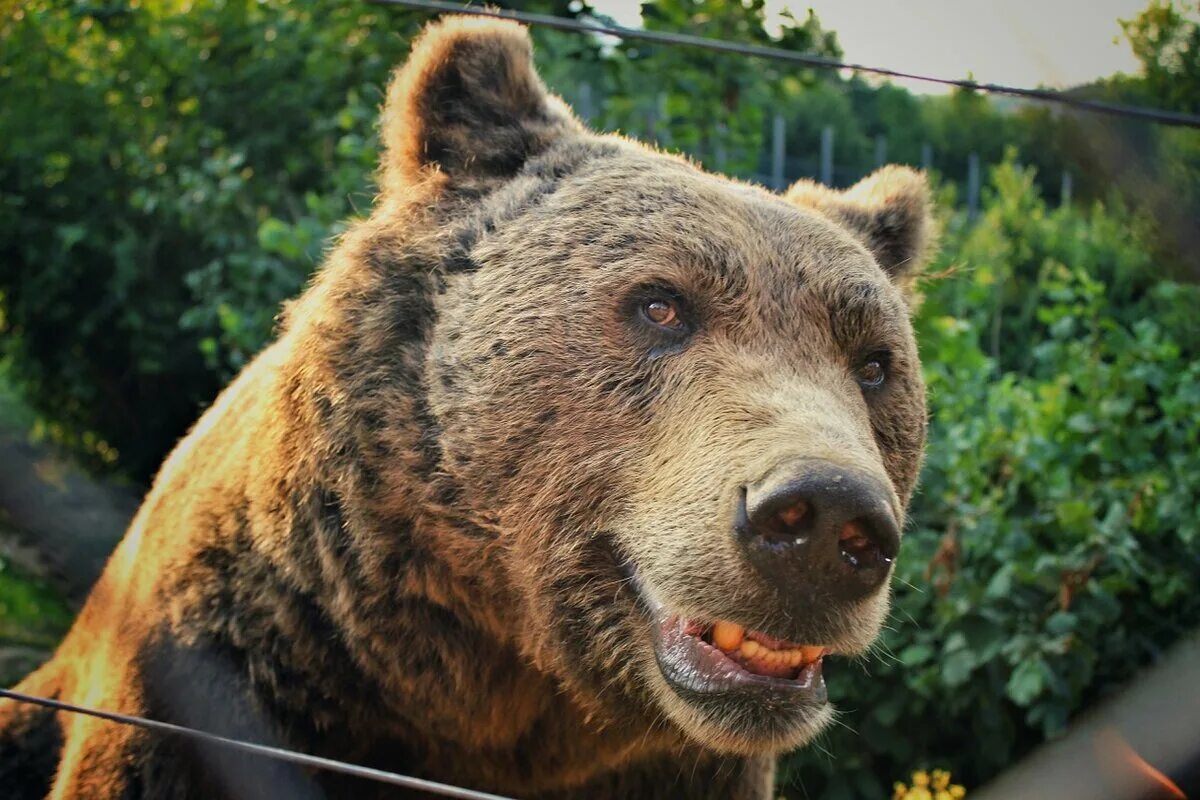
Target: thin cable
(277,753)
(1160,116)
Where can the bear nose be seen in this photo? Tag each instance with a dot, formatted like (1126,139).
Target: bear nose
(819,529)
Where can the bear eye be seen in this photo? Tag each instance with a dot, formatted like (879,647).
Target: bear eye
(663,312)
(662,319)
(873,371)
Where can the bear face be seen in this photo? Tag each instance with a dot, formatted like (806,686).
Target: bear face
(686,414)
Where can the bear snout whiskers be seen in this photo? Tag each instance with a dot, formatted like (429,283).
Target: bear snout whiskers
(816,528)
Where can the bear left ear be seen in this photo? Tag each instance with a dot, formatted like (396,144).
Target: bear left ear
(889,211)
(468,106)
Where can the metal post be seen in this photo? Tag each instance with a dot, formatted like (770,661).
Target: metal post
(777,152)
(1064,196)
(926,156)
(663,137)
(827,155)
(584,105)
(880,150)
(972,187)
(720,155)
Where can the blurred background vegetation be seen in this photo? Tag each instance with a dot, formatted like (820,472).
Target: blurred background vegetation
(170,172)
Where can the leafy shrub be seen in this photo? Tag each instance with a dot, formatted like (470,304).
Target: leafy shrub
(1054,548)
(153,213)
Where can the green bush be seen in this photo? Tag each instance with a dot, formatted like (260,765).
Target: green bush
(1054,548)
(154,213)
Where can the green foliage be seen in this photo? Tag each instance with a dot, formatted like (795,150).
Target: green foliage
(1155,168)
(15,413)
(707,104)
(33,616)
(31,612)
(1166,40)
(169,174)
(1055,544)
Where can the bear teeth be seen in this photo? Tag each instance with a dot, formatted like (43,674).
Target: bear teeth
(732,639)
(728,635)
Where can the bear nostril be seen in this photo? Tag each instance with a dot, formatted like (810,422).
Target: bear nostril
(796,517)
(788,525)
(858,548)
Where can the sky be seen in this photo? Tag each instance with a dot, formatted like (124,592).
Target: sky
(1055,43)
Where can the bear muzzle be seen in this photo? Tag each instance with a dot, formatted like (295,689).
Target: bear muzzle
(822,538)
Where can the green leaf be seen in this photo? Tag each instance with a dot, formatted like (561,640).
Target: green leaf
(957,668)
(916,654)
(1026,681)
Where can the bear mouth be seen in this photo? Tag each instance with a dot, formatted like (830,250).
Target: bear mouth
(719,657)
(703,659)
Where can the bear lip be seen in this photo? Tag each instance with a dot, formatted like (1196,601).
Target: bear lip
(693,665)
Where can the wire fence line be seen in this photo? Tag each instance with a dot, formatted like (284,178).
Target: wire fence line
(778,169)
(1156,115)
(268,751)
(774,166)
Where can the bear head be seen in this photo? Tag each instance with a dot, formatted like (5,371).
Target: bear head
(673,420)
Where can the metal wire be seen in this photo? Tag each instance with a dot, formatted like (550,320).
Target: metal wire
(278,753)
(1157,115)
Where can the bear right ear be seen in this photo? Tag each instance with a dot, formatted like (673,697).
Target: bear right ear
(468,106)
(890,211)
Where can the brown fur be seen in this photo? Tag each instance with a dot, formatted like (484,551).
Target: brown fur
(397,537)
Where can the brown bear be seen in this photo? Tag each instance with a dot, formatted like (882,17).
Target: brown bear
(561,480)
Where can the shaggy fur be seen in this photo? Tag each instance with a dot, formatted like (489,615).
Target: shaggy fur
(400,536)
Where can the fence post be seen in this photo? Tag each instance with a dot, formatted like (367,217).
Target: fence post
(926,156)
(1064,196)
(719,155)
(972,187)
(827,155)
(660,114)
(777,152)
(584,105)
(880,150)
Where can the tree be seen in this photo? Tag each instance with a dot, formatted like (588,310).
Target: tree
(705,103)
(154,158)
(1166,40)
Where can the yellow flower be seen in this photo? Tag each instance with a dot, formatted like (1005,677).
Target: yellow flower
(928,785)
